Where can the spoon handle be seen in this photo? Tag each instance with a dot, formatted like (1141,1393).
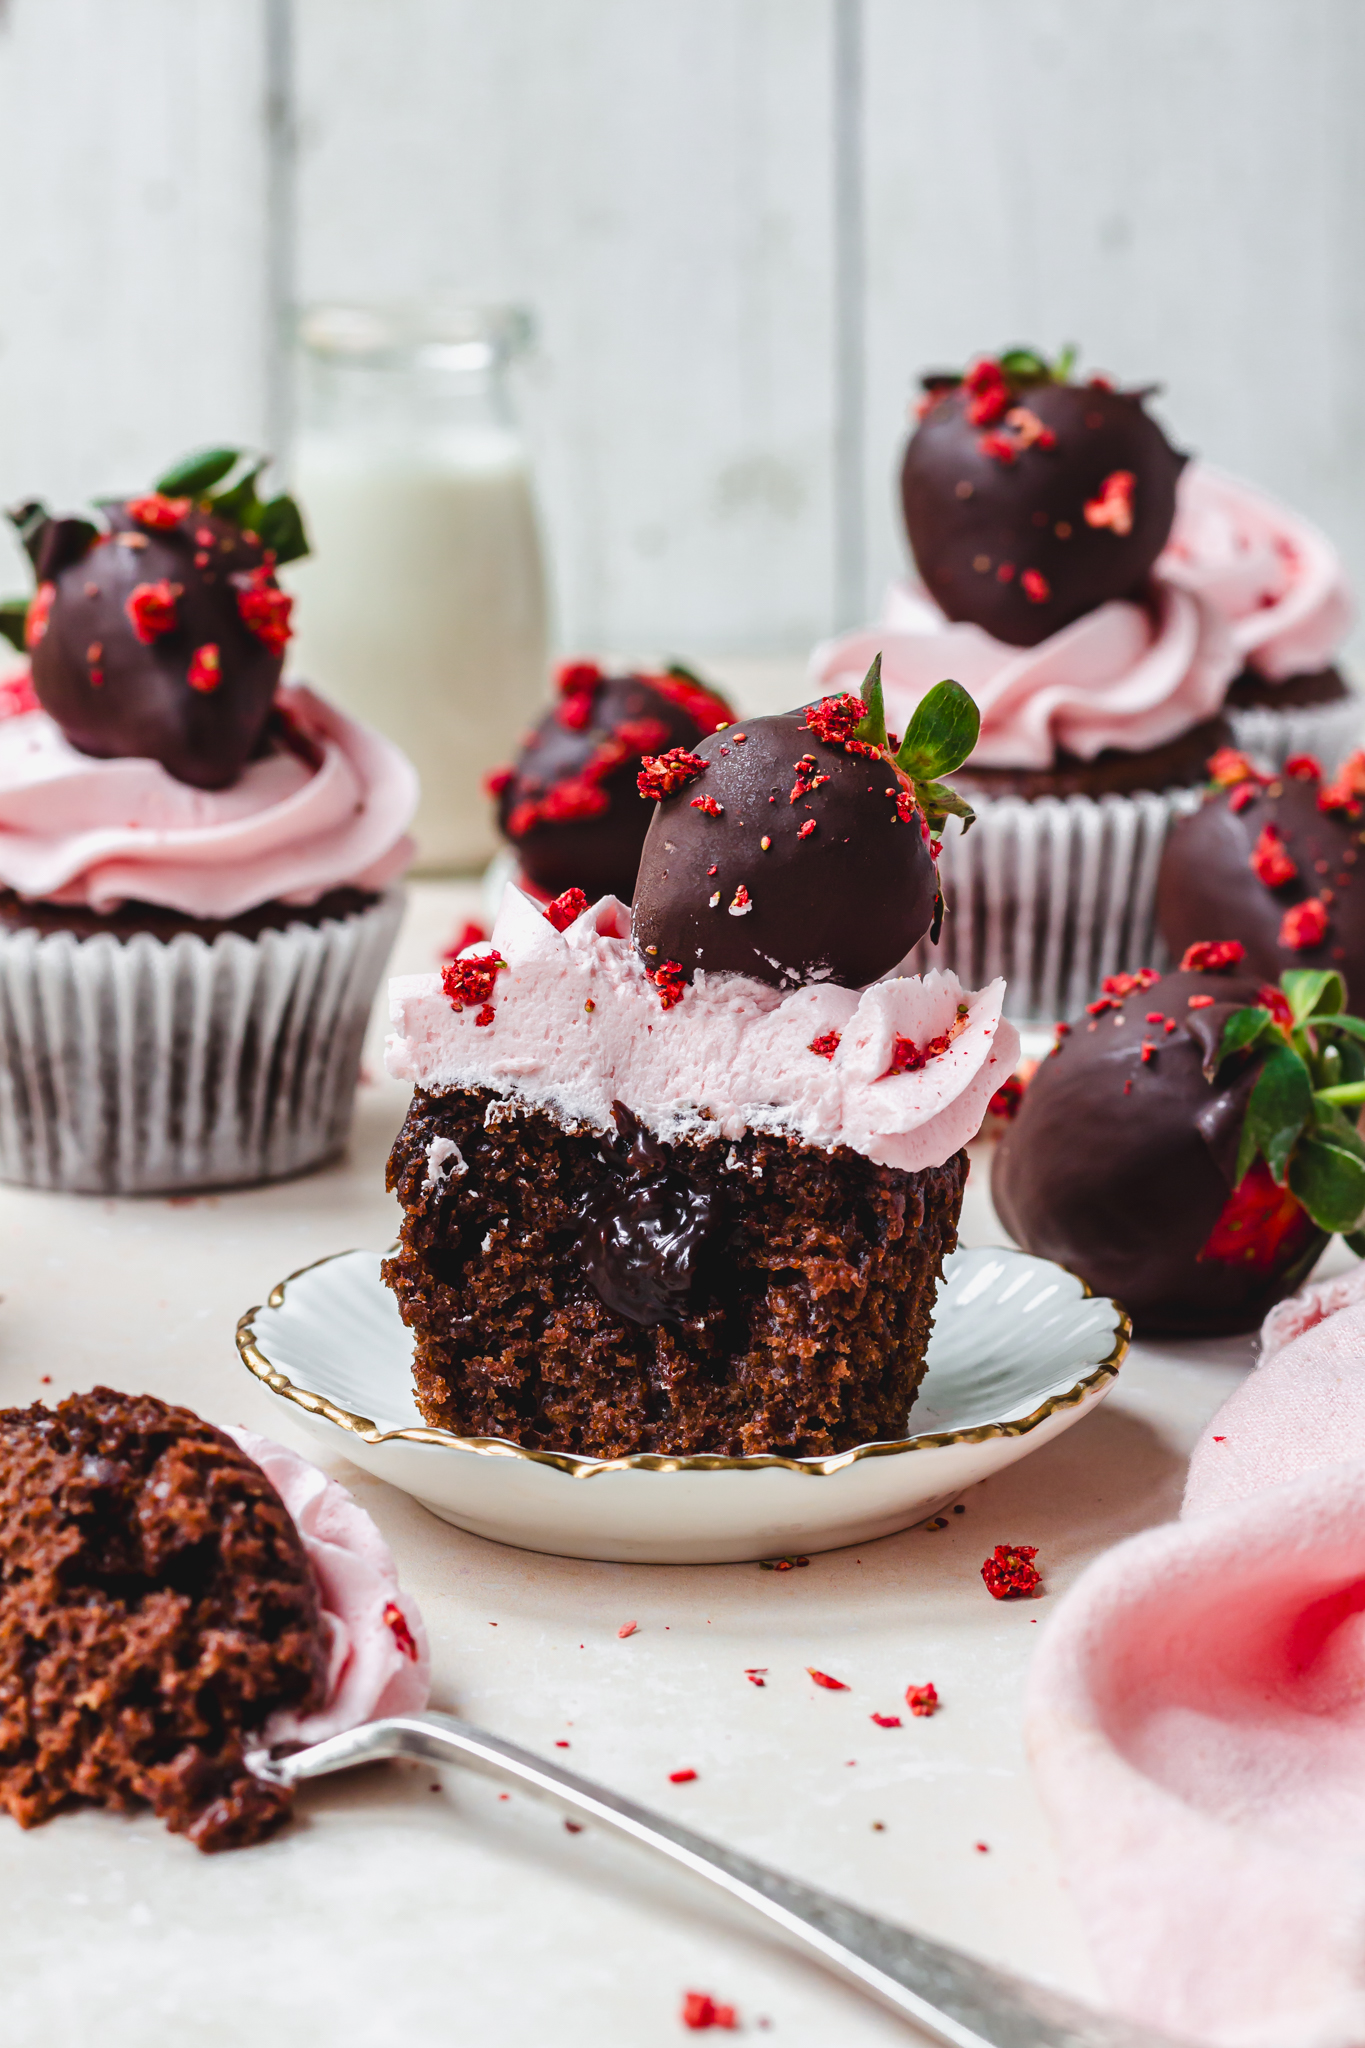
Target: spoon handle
(949,1995)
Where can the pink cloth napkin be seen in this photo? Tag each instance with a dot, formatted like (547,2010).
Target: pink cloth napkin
(1196,1714)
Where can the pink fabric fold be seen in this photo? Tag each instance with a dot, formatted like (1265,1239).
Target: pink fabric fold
(1196,1714)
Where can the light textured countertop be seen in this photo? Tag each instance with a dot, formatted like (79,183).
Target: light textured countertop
(400,1909)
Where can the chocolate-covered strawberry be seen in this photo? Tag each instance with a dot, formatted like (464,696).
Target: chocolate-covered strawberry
(159,631)
(1274,861)
(1190,1144)
(569,805)
(1030,500)
(801,847)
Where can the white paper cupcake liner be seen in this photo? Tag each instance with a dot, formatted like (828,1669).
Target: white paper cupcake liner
(147,1066)
(1054,894)
(1329,732)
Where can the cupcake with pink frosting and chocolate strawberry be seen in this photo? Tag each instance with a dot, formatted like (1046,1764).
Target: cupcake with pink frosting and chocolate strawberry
(1119,614)
(198,864)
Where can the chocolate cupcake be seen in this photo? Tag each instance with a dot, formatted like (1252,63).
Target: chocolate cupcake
(197,863)
(683,1184)
(1189,1144)
(568,806)
(1273,861)
(1109,605)
(165,1609)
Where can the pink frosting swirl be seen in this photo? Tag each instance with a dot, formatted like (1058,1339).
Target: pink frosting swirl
(1274,577)
(378,1659)
(1242,580)
(83,831)
(577,1026)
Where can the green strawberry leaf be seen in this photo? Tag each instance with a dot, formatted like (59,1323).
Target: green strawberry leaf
(938,801)
(29,520)
(1240,1030)
(1354,1240)
(1354,1027)
(1308,989)
(13,613)
(1330,1183)
(240,503)
(941,734)
(1281,1104)
(280,526)
(1336,1128)
(1065,364)
(1025,366)
(196,473)
(873,727)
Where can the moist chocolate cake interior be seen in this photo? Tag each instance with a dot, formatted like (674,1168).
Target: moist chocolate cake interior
(156,1607)
(777,1298)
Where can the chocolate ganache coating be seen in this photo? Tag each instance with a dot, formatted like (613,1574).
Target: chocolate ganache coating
(785,857)
(162,637)
(1274,863)
(569,805)
(1121,1162)
(649,1229)
(1028,502)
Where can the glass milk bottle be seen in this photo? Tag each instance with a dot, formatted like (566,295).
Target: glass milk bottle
(422,608)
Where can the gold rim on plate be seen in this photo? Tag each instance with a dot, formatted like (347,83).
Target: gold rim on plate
(369,1432)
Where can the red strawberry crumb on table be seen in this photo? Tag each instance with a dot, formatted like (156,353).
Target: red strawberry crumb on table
(1212,956)
(1229,767)
(265,611)
(1303,768)
(206,668)
(981,1848)
(565,909)
(158,512)
(833,719)
(668,979)
(708,806)
(396,1620)
(1035,586)
(825,1046)
(823,1678)
(1114,505)
(757,1674)
(664,775)
(1305,925)
(1009,1572)
(1271,862)
(469,982)
(886,1720)
(700,2011)
(922,1700)
(681,1777)
(151,610)
(627,1628)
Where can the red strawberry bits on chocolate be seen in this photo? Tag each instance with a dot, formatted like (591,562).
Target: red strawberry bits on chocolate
(664,775)
(1009,1572)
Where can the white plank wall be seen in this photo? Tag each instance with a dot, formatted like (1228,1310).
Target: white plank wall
(1180,187)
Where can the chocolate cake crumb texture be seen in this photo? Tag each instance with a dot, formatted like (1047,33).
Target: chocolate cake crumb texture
(156,1608)
(803,1332)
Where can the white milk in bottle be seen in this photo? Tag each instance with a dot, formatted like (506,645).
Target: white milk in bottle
(422,607)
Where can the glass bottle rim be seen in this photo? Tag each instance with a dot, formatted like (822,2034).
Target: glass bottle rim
(432,334)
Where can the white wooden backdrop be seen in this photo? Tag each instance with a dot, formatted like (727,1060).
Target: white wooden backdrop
(742,225)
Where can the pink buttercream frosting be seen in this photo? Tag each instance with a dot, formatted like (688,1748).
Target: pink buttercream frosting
(378,1659)
(83,831)
(577,1026)
(1242,581)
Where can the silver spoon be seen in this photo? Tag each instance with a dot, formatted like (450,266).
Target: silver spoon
(949,1994)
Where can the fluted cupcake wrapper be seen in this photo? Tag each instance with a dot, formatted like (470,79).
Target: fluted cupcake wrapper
(149,1066)
(1329,732)
(1054,894)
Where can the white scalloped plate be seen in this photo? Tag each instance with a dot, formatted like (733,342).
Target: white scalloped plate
(1020,1352)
